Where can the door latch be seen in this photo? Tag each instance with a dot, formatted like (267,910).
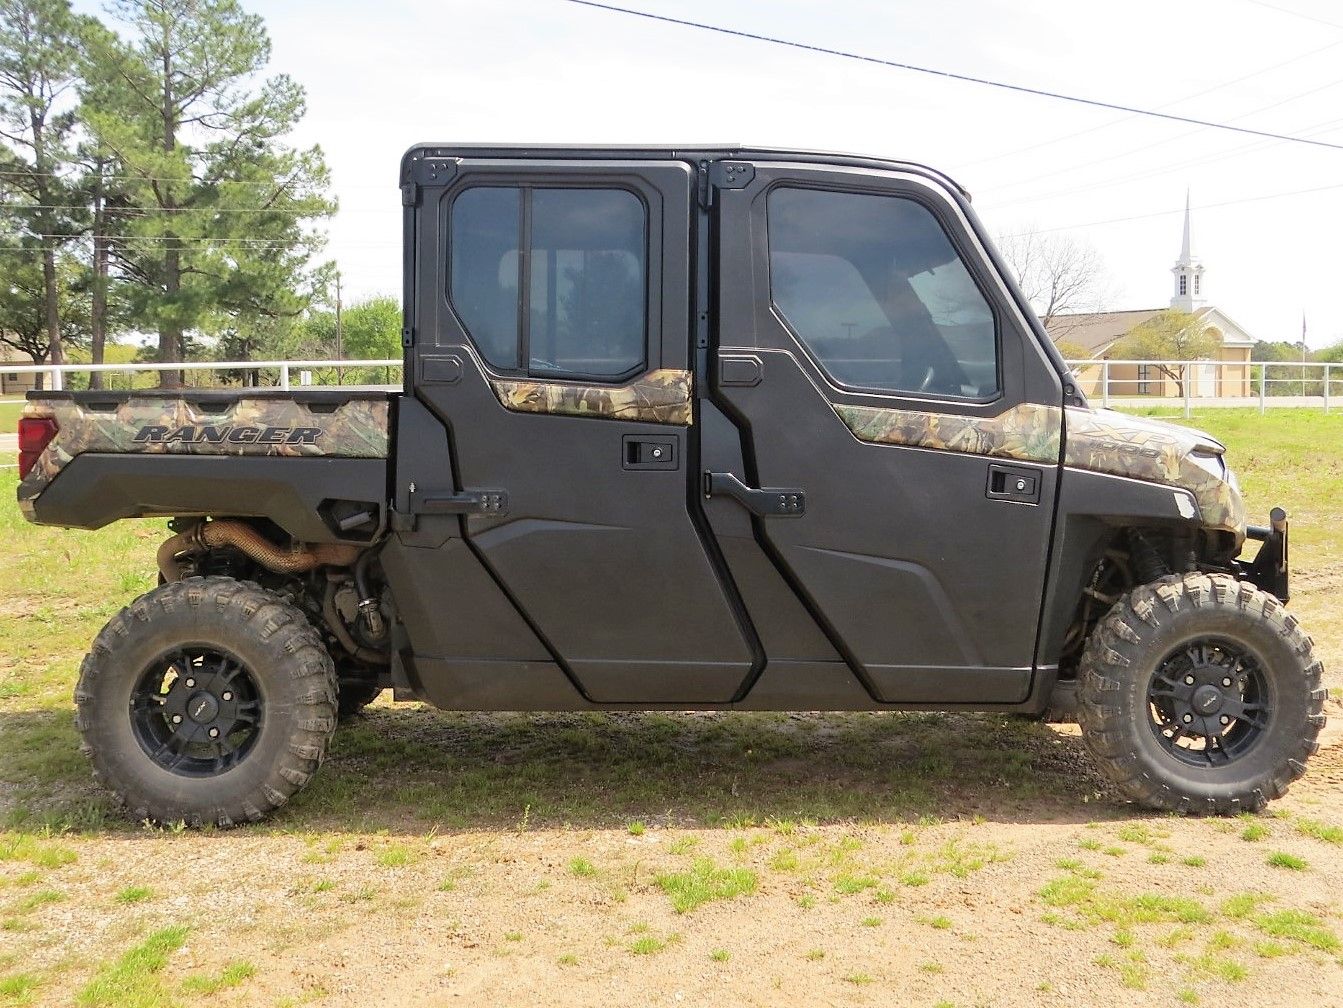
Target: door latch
(767,502)
(1014,483)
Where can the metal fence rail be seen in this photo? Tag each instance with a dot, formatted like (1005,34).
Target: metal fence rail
(1128,383)
(1261,384)
(274,374)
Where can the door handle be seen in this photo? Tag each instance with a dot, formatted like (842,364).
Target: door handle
(767,502)
(1014,483)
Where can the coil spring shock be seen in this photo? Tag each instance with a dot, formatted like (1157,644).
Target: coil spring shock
(1145,561)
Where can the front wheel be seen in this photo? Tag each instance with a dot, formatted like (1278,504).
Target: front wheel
(1200,694)
(207,700)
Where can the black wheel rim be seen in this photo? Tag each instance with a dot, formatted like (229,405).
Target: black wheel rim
(196,711)
(1208,702)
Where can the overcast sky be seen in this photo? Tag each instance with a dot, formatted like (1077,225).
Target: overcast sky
(382,76)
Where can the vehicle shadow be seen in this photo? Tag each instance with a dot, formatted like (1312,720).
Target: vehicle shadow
(404,769)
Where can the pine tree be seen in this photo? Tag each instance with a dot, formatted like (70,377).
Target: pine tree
(216,233)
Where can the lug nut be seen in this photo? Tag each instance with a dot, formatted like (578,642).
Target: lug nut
(226,695)
(177,719)
(1188,718)
(192,682)
(1188,680)
(1226,681)
(214,733)
(1225,720)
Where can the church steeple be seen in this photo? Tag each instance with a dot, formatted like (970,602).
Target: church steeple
(1188,294)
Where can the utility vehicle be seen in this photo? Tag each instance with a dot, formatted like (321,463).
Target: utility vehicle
(701,428)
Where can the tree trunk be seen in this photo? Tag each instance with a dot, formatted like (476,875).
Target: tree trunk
(98,308)
(170,333)
(52,306)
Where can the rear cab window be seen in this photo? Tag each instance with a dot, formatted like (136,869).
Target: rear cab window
(552,282)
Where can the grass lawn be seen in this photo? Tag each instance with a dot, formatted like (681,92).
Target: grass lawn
(9,416)
(666,858)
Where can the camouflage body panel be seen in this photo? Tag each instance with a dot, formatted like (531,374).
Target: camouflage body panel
(1122,445)
(358,428)
(658,397)
(1028,432)
(1115,444)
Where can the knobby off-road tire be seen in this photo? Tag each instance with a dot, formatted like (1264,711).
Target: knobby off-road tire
(1159,661)
(207,700)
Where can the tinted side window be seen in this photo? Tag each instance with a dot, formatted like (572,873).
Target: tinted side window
(486,227)
(875,290)
(580,255)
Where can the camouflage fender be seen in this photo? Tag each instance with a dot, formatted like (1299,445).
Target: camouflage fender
(1028,431)
(658,397)
(1123,445)
(357,428)
(1098,440)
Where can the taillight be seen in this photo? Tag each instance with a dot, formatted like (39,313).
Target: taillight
(35,433)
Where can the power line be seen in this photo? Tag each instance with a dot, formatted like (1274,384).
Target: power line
(176,179)
(1294,13)
(182,210)
(950,75)
(1180,210)
(1179,101)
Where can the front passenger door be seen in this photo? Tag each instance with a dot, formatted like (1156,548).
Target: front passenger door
(895,382)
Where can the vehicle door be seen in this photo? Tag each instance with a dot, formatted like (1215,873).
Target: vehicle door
(874,363)
(552,339)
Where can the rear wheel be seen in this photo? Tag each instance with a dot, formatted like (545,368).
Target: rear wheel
(208,700)
(1201,694)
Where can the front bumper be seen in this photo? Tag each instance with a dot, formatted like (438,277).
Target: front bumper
(1268,570)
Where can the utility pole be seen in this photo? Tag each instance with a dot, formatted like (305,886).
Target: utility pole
(340,332)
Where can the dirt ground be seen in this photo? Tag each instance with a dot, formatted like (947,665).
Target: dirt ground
(1005,877)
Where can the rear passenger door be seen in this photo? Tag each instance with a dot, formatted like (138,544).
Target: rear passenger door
(552,340)
(873,362)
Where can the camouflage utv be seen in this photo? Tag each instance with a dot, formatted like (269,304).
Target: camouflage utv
(686,429)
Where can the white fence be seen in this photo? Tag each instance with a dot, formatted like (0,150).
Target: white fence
(284,372)
(1127,383)
(1187,384)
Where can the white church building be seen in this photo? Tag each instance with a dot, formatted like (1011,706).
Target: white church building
(1096,333)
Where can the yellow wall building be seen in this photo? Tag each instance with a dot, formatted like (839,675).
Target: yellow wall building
(1227,374)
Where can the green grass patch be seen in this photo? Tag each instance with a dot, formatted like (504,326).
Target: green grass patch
(32,901)
(1132,969)
(232,975)
(582,868)
(1254,832)
(134,894)
(652,944)
(1281,859)
(396,856)
(34,850)
(1092,905)
(1320,831)
(18,988)
(1298,926)
(720,955)
(132,981)
(9,416)
(704,883)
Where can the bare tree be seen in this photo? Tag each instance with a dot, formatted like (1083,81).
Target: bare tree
(1060,274)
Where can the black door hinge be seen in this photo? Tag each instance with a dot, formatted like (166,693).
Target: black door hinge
(407,338)
(714,175)
(410,194)
(486,502)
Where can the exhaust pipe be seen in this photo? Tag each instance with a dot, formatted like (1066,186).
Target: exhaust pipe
(227,532)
